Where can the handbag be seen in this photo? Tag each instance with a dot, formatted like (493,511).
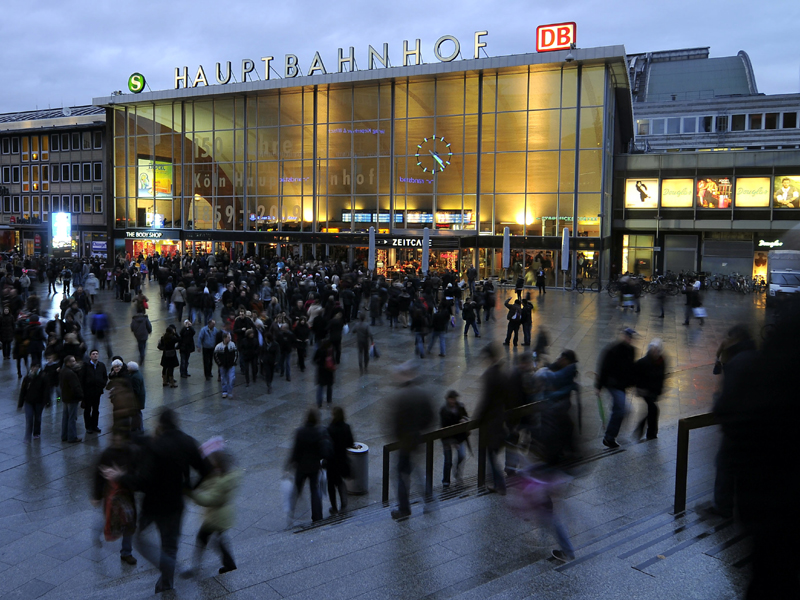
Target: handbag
(699,312)
(120,514)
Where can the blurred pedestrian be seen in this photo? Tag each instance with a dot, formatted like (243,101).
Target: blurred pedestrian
(490,413)
(616,374)
(410,414)
(215,493)
(326,369)
(650,373)
(363,341)
(163,474)
(33,394)
(452,413)
(338,463)
(139,393)
(311,446)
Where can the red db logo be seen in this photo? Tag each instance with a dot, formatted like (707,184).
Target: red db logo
(555,37)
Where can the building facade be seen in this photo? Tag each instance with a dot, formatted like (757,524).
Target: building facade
(54,161)
(307,165)
(712,180)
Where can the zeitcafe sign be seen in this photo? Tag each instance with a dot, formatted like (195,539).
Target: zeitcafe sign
(446,49)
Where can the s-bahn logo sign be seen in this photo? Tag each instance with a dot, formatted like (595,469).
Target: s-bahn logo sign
(446,49)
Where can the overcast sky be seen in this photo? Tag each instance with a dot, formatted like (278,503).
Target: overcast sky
(66,52)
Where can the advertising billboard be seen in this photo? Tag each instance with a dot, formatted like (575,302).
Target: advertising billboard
(677,193)
(641,193)
(154,179)
(752,192)
(714,192)
(786,192)
(61,234)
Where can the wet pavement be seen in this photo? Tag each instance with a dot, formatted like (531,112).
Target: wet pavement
(467,544)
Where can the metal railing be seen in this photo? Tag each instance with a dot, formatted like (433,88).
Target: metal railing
(682,460)
(429,438)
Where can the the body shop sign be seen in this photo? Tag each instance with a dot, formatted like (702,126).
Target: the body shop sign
(752,192)
(677,193)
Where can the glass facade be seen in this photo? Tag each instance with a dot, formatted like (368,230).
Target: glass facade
(470,152)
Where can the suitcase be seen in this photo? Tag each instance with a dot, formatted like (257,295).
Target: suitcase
(127,297)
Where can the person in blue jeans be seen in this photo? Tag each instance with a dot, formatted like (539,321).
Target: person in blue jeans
(226,356)
(616,373)
(71,396)
(33,394)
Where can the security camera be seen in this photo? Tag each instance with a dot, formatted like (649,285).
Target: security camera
(569,57)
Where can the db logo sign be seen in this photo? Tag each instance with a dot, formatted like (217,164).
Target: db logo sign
(555,37)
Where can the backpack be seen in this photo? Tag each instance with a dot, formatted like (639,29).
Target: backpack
(168,289)
(120,514)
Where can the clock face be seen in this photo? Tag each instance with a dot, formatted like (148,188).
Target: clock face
(433,154)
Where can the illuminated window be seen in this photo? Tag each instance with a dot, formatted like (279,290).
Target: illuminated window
(45,147)
(46,178)
(642,127)
(35,153)
(98,204)
(26,148)
(26,178)
(87,204)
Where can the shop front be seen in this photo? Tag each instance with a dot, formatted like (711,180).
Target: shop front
(165,242)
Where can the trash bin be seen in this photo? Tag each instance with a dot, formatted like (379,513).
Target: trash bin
(359,469)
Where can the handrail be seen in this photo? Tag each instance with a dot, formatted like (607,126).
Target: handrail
(685,425)
(430,437)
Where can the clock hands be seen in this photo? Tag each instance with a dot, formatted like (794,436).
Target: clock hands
(436,157)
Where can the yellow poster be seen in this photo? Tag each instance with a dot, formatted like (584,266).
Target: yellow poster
(641,193)
(677,193)
(752,192)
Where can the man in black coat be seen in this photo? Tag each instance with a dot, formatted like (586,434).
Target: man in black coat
(491,414)
(616,373)
(650,372)
(514,320)
(94,378)
(527,320)
(163,474)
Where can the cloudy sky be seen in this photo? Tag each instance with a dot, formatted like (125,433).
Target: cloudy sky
(66,52)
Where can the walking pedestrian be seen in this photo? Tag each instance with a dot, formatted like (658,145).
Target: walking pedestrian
(452,413)
(363,341)
(540,281)
(34,393)
(338,463)
(650,373)
(164,474)
(491,415)
(141,328)
(616,373)
(469,316)
(440,323)
(269,358)
(71,397)
(215,493)
(249,350)
(311,446)
(526,316)
(514,318)
(227,357)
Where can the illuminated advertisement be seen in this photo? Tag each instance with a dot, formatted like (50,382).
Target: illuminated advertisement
(154,179)
(752,192)
(714,192)
(641,193)
(677,193)
(787,192)
(61,232)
